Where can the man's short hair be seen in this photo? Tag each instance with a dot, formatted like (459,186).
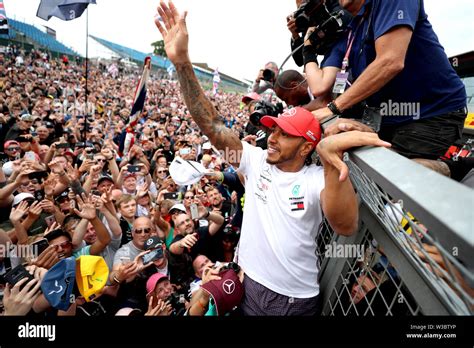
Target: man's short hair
(70,217)
(124,199)
(285,79)
(56,234)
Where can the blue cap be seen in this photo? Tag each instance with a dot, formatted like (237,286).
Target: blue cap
(58,283)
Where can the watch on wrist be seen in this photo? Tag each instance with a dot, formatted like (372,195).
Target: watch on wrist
(334,109)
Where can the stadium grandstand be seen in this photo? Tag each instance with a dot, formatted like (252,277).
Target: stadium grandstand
(202,70)
(28,37)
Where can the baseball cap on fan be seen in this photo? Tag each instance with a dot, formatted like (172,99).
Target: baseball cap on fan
(298,122)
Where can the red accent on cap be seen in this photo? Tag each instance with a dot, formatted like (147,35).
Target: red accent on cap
(298,122)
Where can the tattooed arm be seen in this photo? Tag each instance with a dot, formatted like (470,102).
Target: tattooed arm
(205,115)
(175,36)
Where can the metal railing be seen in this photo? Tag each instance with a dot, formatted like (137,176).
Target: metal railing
(415,243)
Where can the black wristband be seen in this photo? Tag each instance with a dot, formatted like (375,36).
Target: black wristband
(309,55)
(334,109)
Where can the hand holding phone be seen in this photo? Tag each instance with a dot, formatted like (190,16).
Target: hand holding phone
(194,211)
(174,196)
(17,274)
(153,255)
(49,220)
(39,246)
(30,155)
(133,169)
(62,146)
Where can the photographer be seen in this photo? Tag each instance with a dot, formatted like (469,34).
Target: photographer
(257,132)
(384,56)
(265,80)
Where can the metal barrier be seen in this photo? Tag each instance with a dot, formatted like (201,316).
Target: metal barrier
(414,251)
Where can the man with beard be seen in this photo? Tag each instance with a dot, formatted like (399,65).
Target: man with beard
(285,197)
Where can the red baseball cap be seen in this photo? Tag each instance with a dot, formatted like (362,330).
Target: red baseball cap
(251,96)
(298,122)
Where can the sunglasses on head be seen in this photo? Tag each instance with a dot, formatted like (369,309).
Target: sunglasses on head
(142,230)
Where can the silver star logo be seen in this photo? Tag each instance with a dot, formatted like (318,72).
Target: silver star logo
(228,286)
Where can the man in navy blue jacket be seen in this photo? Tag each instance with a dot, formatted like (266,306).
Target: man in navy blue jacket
(396,63)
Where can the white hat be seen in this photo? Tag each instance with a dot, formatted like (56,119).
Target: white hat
(21,197)
(206,146)
(8,168)
(186,172)
(179,207)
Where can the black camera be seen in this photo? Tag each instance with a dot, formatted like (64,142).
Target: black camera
(264,108)
(329,19)
(177,302)
(16,274)
(269,75)
(231,265)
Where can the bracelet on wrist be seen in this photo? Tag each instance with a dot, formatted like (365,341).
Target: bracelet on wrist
(334,109)
(115,279)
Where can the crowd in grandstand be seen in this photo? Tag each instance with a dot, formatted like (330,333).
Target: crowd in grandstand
(153,227)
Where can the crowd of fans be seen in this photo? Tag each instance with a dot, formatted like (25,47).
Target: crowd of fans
(64,181)
(88,228)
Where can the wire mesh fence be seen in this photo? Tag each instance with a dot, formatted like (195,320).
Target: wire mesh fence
(380,270)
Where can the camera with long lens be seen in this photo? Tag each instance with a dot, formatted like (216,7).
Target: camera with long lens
(264,108)
(329,19)
(177,302)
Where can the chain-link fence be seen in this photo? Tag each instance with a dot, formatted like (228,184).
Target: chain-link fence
(396,265)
